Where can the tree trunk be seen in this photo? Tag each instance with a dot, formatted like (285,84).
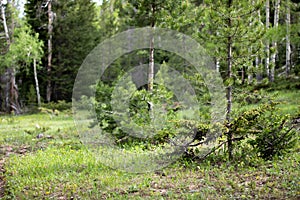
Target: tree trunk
(288,43)
(257,59)
(274,44)
(151,66)
(258,71)
(217,65)
(243,75)
(49,66)
(6,75)
(11,91)
(4,23)
(6,91)
(268,43)
(151,63)
(36,83)
(250,78)
(229,88)
(14,93)
(151,54)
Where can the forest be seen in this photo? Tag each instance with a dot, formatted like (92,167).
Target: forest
(150,99)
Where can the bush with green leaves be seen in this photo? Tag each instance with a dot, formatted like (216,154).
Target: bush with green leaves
(171,118)
(270,134)
(110,113)
(258,133)
(276,136)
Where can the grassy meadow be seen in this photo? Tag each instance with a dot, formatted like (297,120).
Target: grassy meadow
(42,158)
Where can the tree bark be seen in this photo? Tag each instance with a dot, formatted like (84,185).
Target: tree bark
(217,65)
(151,66)
(11,91)
(268,43)
(250,78)
(151,54)
(36,83)
(6,76)
(3,15)
(229,88)
(257,59)
(243,75)
(258,71)
(288,43)
(274,43)
(49,66)
(14,93)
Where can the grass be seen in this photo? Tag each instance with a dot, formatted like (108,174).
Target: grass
(55,165)
(65,173)
(289,101)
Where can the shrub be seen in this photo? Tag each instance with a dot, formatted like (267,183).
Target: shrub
(269,133)
(276,137)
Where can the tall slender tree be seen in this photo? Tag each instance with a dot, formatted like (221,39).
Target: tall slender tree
(274,43)
(74,36)
(48,4)
(11,90)
(231,27)
(7,42)
(267,42)
(287,38)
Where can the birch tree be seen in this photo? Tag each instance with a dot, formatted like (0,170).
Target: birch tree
(287,39)
(257,58)
(11,90)
(6,44)
(267,42)
(25,51)
(274,43)
(3,16)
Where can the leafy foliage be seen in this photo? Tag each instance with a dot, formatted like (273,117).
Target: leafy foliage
(24,49)
(270,134)
(276,138)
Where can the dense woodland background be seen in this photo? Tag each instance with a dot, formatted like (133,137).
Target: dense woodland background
(47,45)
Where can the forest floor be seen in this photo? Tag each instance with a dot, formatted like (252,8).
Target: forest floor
(44,159)
(2,182)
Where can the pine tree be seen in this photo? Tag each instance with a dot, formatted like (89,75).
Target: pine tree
(74,36)
(232,27)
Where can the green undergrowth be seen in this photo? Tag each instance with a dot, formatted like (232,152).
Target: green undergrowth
(45,159)
(65,174)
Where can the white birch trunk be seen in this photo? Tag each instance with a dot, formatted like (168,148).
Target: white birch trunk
(49,66)
(36,83)
(287,38)
(258,71)
(217,65)
(4,23)
(274,44)
(151,66)
(257,59)
(250,78)
(268,43)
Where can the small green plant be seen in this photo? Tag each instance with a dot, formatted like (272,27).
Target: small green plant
(276,136)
